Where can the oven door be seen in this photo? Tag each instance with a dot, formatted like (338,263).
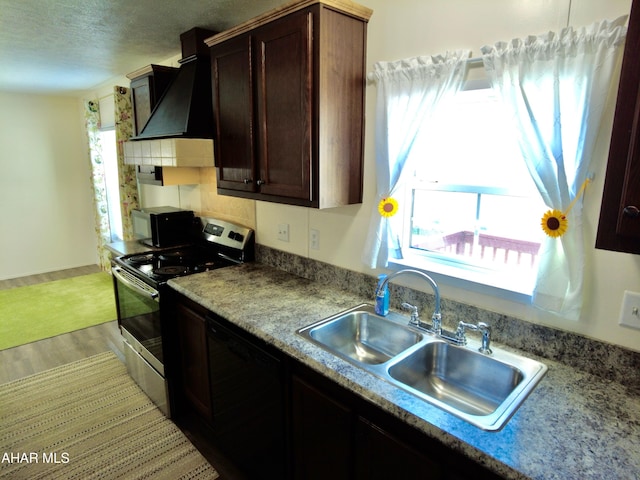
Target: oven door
(139,316)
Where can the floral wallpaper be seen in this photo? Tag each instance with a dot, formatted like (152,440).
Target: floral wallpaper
(126,173)
(98,182)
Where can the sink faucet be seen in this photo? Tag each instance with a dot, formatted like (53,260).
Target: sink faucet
(456,338)
(436,318)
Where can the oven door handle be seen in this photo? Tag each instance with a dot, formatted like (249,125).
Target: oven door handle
(133,283)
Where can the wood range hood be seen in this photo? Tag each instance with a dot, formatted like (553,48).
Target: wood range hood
(181,124)
(184,110)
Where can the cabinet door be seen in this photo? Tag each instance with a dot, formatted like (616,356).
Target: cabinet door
(233,110)
(382,456)
(193,356)
(619,225)
(322,435)
(142,104)
(283,60)
(146,91)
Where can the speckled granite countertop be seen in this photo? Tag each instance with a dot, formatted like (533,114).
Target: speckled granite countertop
(573,426)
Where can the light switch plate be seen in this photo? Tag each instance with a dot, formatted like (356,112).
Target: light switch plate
(630,310)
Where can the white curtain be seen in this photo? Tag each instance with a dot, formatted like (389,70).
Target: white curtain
(555,88)
(408,92)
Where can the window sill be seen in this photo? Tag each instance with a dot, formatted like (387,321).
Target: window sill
(503,285)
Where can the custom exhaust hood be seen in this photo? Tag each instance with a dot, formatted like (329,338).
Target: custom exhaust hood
(184,110)
(183,115)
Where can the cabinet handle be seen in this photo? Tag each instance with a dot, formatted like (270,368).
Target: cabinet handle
(261,182)
(247,181)
(631,211)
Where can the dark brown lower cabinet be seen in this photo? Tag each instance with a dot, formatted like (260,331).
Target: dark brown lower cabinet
(339,435)
(194,361)
(330,440)
(381,455)
(323,445)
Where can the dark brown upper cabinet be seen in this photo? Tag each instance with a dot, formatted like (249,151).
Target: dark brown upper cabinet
(147,86)
(619,225)
(288,102)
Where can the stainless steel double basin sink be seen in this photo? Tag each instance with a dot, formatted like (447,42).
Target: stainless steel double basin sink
(485,390)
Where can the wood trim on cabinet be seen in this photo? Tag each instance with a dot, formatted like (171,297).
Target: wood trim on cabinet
(339,133)
(345,6)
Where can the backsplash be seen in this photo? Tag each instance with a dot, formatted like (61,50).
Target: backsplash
(238,210)
(605,360)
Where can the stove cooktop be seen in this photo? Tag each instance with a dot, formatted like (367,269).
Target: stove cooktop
(219,244)
(164,265)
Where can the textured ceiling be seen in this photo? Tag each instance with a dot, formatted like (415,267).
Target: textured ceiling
(65,46)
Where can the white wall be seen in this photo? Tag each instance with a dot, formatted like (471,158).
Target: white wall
(405,28)
(46,213)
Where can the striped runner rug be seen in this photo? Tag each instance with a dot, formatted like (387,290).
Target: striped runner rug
(89,420)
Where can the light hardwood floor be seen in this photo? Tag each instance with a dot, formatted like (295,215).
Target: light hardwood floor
(48,277)
(19,362)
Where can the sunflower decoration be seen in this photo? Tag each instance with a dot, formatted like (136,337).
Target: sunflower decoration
(388,207)
(554,223)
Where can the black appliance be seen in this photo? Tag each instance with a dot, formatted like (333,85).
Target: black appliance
(247,400)
(163,226)
(140,282)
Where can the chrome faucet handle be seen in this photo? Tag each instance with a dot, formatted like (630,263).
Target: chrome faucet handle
(461,337)
(415,318)
(482,327)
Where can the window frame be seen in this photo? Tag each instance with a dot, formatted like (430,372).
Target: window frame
(465,274)
(469,275)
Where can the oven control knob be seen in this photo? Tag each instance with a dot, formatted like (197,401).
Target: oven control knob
(238,237)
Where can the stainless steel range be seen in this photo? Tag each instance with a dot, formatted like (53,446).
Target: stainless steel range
(140,282)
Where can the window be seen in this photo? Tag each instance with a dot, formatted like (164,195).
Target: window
(474,209)
(112,182)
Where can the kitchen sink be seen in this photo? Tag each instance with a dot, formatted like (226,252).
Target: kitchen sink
(362,336)
(472,383)
(483,389)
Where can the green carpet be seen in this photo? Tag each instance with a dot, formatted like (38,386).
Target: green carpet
(41,311)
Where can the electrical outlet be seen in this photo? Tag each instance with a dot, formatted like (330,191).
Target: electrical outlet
(630,310)
(283,232)
(314,239)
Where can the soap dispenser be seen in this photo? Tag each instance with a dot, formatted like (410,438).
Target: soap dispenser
(382,296)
